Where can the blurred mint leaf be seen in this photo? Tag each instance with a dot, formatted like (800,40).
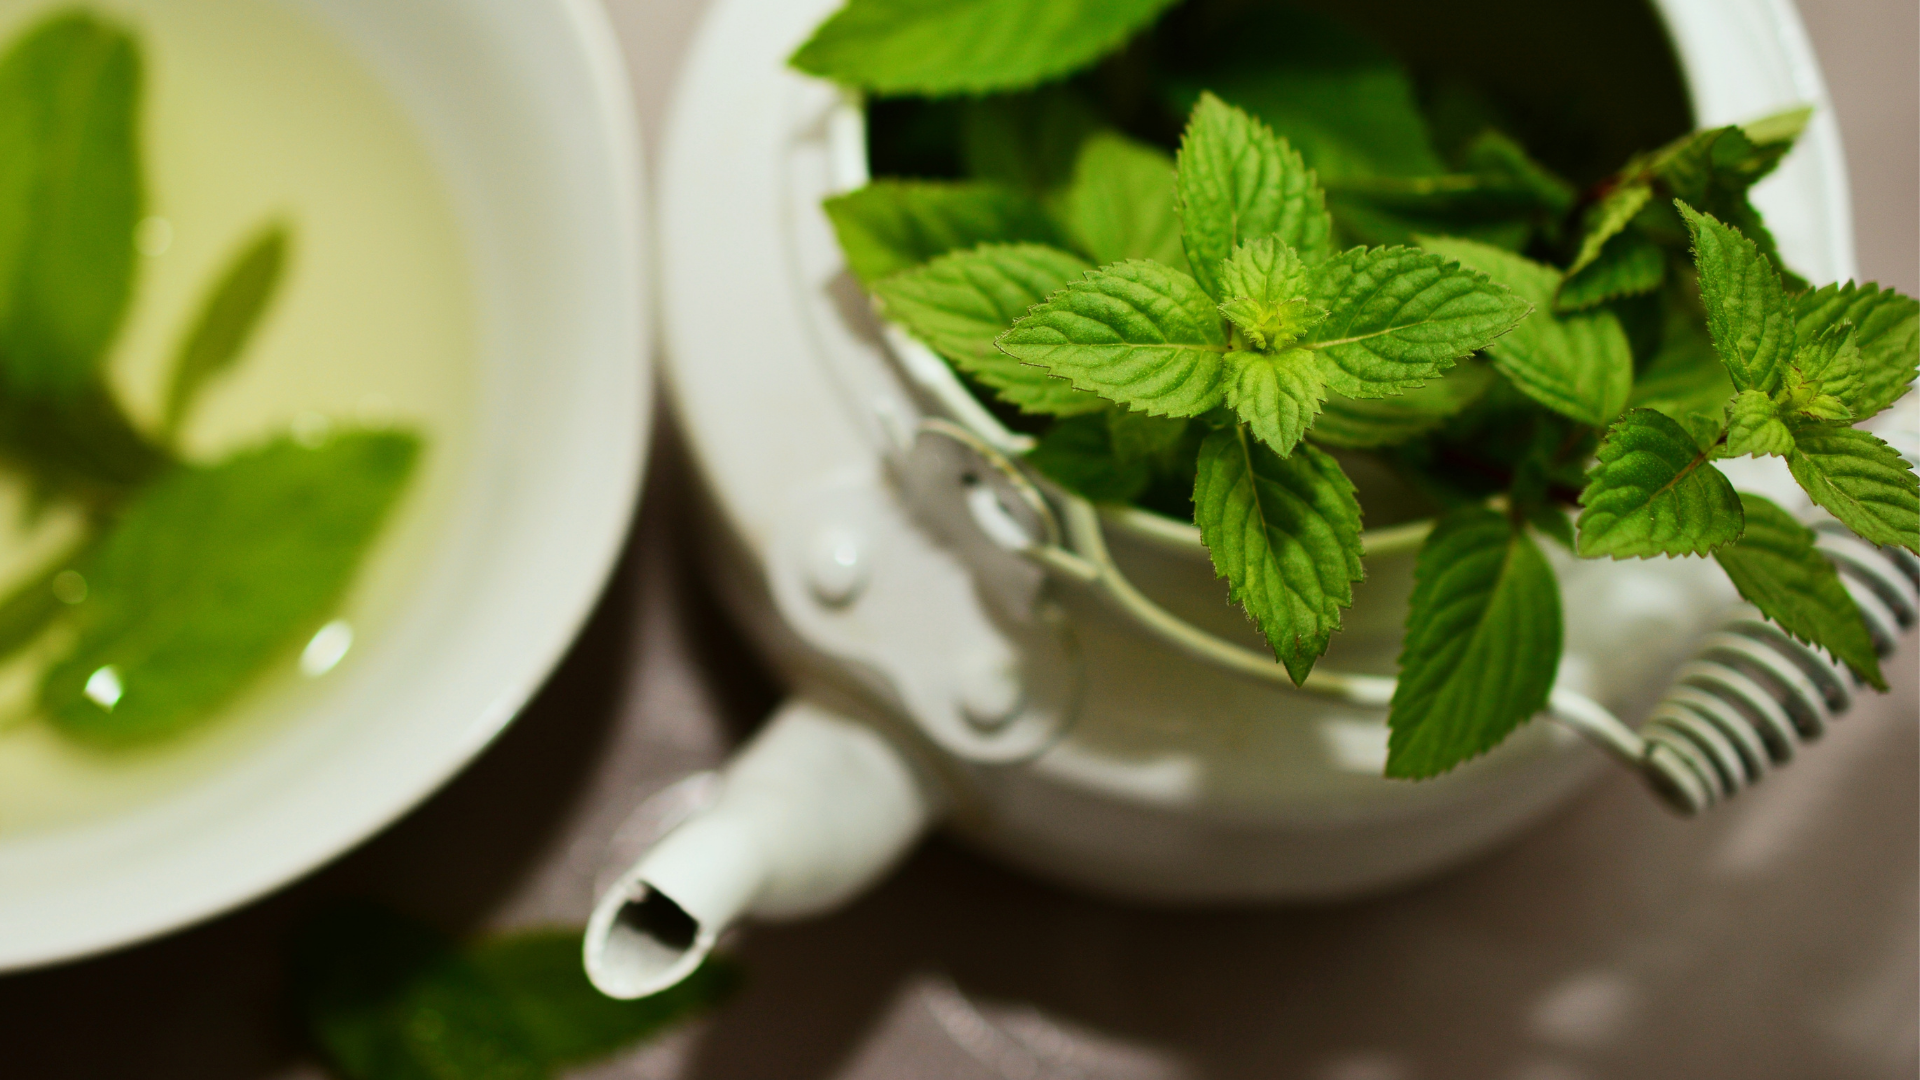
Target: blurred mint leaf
(1886,330)
(1630,264)
(1482,647)
(1685,378)
(1653,493)
(1503,198)
(1777,568)
(1079,454)
(1578,365)
(891,225)
(1860,480)
(211,573)
(1747,309)
(1607,219)
(1029,141)
(1713,171)
(1400,316)
(953,47)
(1366,423)
(1119,204)
(1285,533)
(960,302)
(1238,181)
(1138,334)
(226,321)
(385,998)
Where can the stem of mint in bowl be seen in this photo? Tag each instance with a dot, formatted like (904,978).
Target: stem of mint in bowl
(1210,289)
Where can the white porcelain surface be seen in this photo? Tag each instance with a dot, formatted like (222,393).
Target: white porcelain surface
(525,106)
(1178,782)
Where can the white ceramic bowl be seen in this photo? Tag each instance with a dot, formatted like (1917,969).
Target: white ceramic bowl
(524,106)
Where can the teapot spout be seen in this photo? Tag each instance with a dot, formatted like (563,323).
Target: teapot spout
(813,810)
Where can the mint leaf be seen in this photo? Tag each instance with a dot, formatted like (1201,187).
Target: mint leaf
(1362,424)
(1860,480)
(1399,316)
(1755,427)
(1154,440)
(1653,493)
(891,225)
(1685,379)
(1276,394)
(967,46)
(1607,219)
(1747,310)
(1482,647)
(211,573)
(1630,264)
(1237,181)
(1345,103)
(1580,366)
(226,321)
(1285,533)
(70,196)
(1120,203)
(1886,328)
(1502,198)
(959,303)
(385,998)
(1028,141)
(1136,333)
(1078,453)
(1776,566)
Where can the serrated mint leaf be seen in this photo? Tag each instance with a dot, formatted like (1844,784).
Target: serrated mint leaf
(1828,373)
(281,527)
(891,225)
(1483,644)
(385,998)
(1277,395)
(1860,480)
(1886,329)
(1747,309)
(1136,333)
(1344,102)
(1777,568)
(1264,284)
(1607,219)
(70,197)
(1028,141)
(1653,493)
(959,303)
(1238,181)
(226,321)
(1363,424)
(1630,264)
(1755,427)
(1285,533)
(1119,205)
(967,46)
(1579,365)
(1400,316)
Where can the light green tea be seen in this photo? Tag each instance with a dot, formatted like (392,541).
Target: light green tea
(251,117)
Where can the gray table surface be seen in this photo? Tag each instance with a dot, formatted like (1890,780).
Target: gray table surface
(1778,938)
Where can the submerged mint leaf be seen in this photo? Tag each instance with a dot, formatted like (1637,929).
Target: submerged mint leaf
(1747,309)
(1579,365)
(388,999)
(960,302)
(1886,330)
(891,225)
(1859,479)
(211,573)
(1368,423)
(1400,316)
(70,197)
(1482,648)
(226,321)
(1777,568)
(1119,204)
(1137,333)
(1653,493)
(1238,181)
(1285,533)
(956,47)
